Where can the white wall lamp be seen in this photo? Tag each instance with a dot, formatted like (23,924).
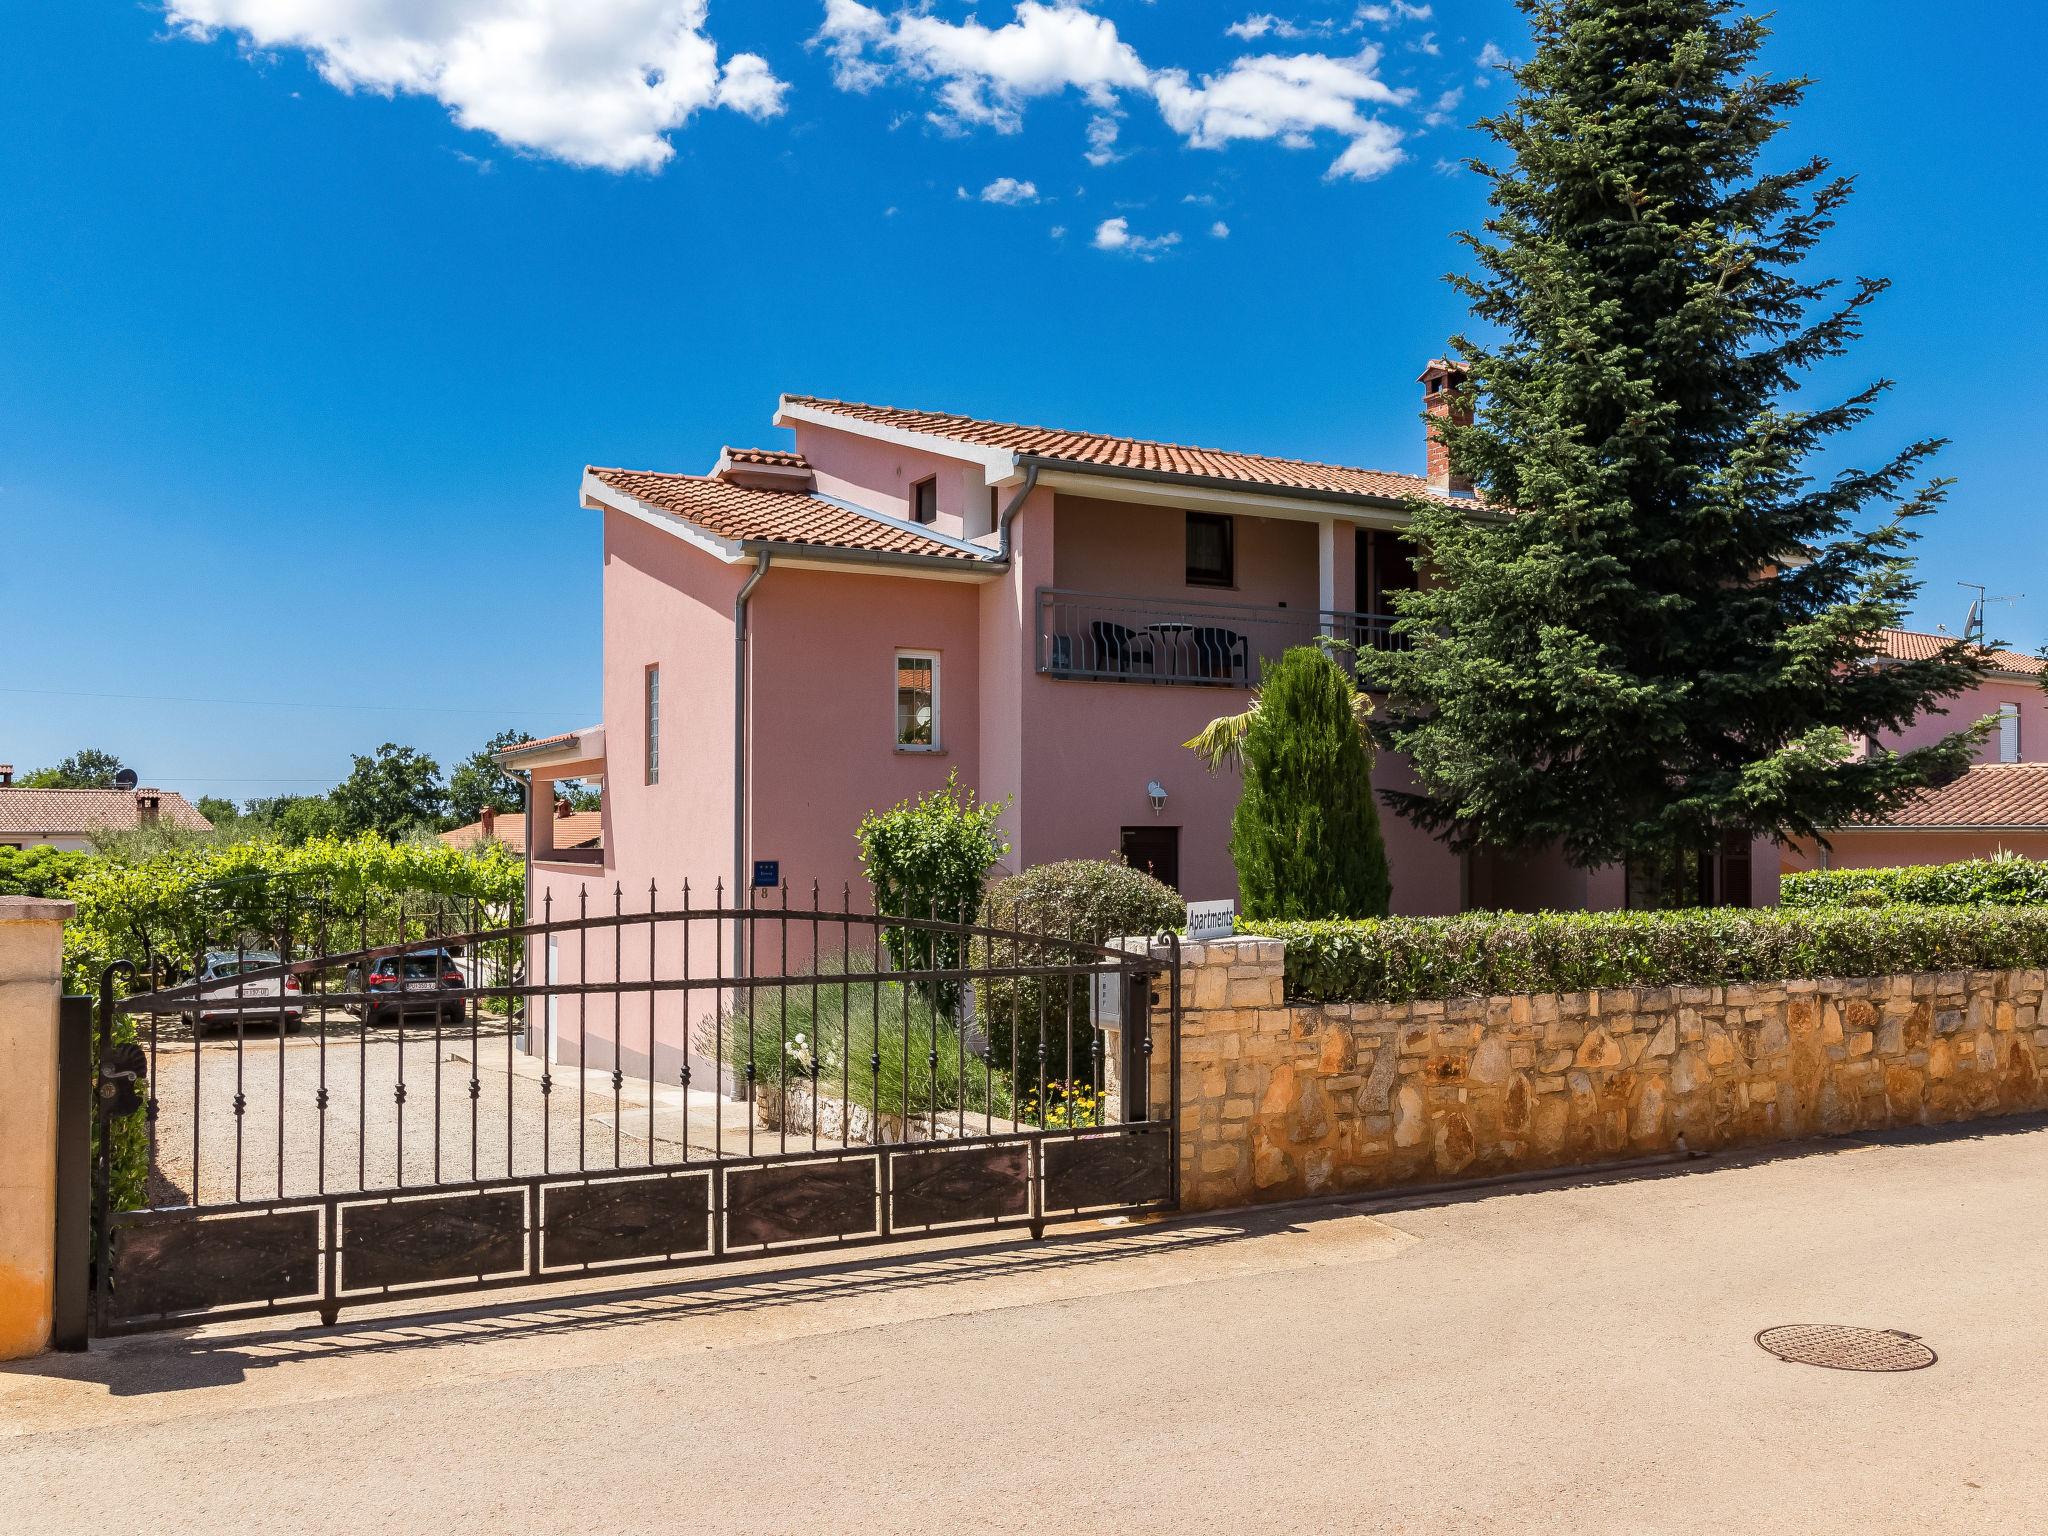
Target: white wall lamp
(1156,793)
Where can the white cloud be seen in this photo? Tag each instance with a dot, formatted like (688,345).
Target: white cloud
(1373,153)
(1492,58)
(984,74)
(594,84)
(1010,192)
(1102,132)
(1059,231)
(1445,106)
(1289,98)
(1387,15)
(984,77)
(1219,230)
(1115,235)
(1267,24)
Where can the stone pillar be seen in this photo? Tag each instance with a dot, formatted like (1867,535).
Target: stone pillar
(1233,1024)
(31,982)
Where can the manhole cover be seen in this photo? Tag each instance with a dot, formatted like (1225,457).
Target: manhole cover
(1846,1349)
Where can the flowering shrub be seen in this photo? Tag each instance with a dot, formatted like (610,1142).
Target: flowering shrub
(1487,953)
(1066,1106)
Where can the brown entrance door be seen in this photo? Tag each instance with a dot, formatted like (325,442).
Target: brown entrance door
(1156,850)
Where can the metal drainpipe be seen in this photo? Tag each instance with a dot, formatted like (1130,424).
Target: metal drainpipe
(762,558)
(1010,512)
(525,777)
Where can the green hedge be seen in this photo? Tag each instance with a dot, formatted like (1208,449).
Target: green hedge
(2006,882)
(1488,953)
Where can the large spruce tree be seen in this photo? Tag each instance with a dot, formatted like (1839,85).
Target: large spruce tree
(1666,639)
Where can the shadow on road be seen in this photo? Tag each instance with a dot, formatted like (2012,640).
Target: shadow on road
(185,1360)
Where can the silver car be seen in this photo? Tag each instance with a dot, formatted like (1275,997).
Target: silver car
(225,997)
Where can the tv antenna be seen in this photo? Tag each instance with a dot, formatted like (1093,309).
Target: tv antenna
(1973,626)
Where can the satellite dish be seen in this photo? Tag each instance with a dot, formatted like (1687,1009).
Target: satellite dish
(126,779)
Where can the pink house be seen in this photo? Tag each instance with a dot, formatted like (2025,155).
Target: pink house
(2001,803)
(801,636)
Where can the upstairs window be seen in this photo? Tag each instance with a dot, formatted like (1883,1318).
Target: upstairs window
(917,701)
(654,724)
(1212,557)
(924,501)
(2008,733)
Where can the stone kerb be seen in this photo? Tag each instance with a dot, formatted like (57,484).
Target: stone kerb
(31,983)
(1283,1100)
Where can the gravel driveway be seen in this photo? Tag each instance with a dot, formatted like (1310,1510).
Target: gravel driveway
(469,1109)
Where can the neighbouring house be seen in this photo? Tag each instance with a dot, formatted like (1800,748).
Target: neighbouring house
(578,834)
(803,635)
(68,818)
(1999,804)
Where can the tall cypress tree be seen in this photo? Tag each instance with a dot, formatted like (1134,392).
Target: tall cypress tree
(1667,639)
(1306,835)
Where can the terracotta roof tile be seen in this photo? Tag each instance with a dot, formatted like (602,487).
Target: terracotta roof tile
(1914,645)
(794,517)
(578,829)
(79,812)
(1098,450)
(2001,795)
(779,458)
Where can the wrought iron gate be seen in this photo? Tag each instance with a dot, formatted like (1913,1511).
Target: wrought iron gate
(292,1129)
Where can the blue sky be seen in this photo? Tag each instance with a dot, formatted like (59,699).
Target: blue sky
(296,380)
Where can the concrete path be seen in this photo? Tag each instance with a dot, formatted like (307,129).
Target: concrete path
(1569,1358)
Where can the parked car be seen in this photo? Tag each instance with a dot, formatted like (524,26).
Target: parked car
(415,983)
(224,997)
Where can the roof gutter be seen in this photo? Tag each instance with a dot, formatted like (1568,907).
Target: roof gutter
(764,549)
(1241,487)
(763,557)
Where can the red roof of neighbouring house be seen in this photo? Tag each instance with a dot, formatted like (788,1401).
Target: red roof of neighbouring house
(2001,795)
(82,812)
(1915,645)
(1100,450)
(742,513)
(578,829)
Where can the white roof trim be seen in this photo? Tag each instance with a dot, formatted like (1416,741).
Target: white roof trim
(922,530)
(598,492)
(998,465)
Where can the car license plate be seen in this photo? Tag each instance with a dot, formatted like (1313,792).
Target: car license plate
(422,986)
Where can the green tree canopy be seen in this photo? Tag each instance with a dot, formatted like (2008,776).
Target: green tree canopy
(1306,834)
(87,768)
(395,792)
(1669,637)
(478,781)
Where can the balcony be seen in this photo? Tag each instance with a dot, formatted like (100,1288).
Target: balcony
(1092,635)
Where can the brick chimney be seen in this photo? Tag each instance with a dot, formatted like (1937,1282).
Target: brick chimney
(490,820)
(6,775)
(149,805)
(1441,381)
(562,806)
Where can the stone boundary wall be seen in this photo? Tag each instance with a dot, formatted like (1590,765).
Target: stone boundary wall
(1283,1100)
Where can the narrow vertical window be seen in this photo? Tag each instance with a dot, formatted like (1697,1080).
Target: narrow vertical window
(1212,559)
(917,701)
(2008,733)
(924,501)
(653,724)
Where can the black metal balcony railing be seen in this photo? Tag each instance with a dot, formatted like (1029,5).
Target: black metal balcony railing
(1136,639)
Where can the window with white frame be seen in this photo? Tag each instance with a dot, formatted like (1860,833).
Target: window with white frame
(653,724)
(917,701)
(2008,733)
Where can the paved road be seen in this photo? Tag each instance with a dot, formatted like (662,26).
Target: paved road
(1556,1359)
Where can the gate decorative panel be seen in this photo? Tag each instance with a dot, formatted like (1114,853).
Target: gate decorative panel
(292,1121)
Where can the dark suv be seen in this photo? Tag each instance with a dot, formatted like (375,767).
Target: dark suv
(415,983)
